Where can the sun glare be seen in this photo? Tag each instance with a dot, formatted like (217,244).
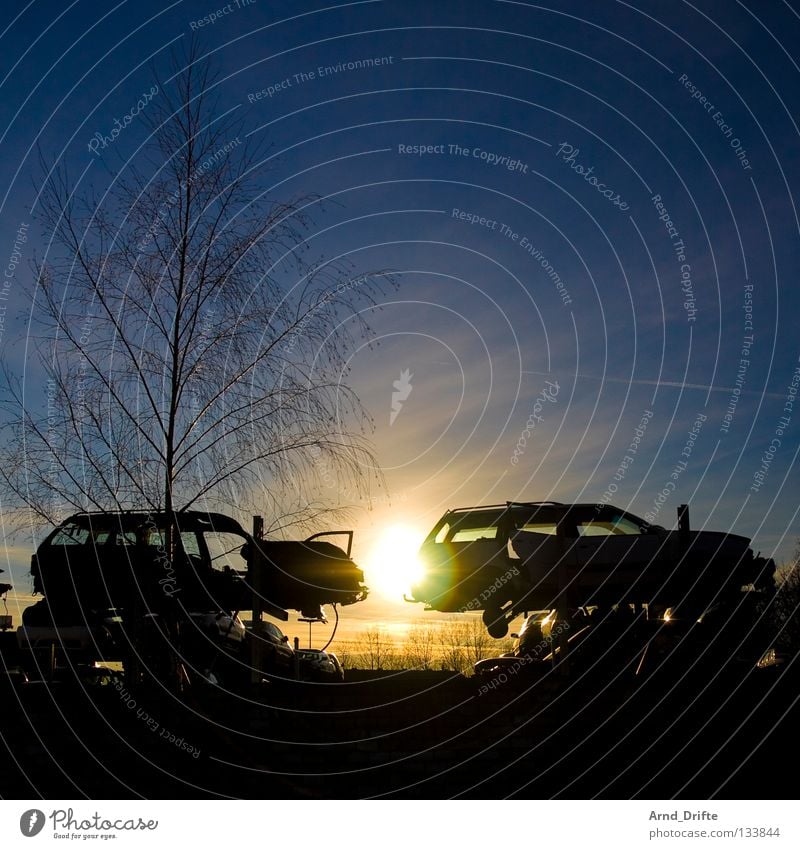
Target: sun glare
(392,564)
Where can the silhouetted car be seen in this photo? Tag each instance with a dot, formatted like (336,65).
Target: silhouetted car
(107,583)
(108,586)
(722,643)
(318,665)
(278,655)
(508,559)
(537,644)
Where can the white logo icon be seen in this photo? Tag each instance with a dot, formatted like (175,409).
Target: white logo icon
(31,822)
(403,389)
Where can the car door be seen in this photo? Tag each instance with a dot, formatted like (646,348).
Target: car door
(613,552)
(538,550)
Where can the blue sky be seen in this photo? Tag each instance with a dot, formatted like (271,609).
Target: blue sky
(556,137)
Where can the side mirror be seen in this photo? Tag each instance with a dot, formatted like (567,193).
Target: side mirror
(284,639)
(244,551)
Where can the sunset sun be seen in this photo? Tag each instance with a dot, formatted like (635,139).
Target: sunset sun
(392,565)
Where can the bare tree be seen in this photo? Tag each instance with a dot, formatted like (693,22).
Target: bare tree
(419,647)
(786,606)
(193,349)
(463,641)
(379,650)
(477,642)
(451,641)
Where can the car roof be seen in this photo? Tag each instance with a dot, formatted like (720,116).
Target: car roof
(544,505)
(187,520)
(511,505)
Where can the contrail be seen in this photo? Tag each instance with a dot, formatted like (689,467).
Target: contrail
(675,384)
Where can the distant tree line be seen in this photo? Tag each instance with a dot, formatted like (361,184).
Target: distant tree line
(457,645)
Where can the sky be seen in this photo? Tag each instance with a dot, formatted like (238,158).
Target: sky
(589,210)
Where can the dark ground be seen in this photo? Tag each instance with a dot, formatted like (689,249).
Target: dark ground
(410,735)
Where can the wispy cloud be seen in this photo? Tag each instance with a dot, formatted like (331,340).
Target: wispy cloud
(674,384)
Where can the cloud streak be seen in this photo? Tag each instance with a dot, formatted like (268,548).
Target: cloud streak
(672,384)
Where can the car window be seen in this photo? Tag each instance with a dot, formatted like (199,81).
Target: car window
(595,529)
(470,526)
(625,526)
(154,537)
(126,538)
(190,544)
(443,532)
(70,535)
(224,550)
(550,528)
(78,535)
(273,630)
(472,534)
(615,526)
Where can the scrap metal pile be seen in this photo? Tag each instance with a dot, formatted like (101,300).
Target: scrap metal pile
(509,559)
(110,592)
